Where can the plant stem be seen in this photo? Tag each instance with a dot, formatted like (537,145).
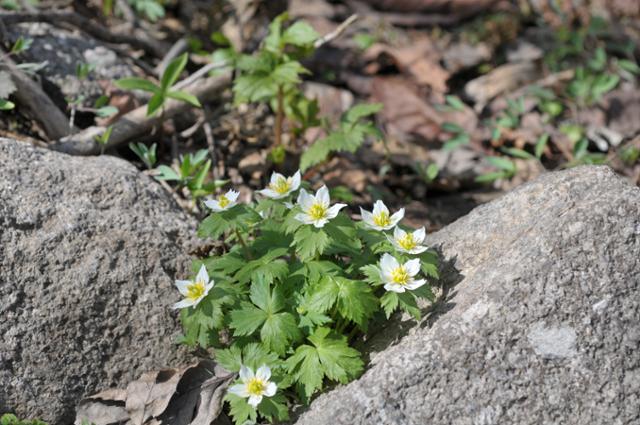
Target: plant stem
(279,117)
(245,248)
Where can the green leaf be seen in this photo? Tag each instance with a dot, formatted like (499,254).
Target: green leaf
(229,358)
(389,302)
(489,177)
(300,34)
(274,408)
(541,144)
(135,83)
(502,163)
(185,97)
(21,45)
(155,103)
(309,242)
(6,105)
(247,320)
(240,410)
(451,127)
(457,141)
(455,102)
(330,356)
(173,71)
(288,73)
(517,153)
(106,111)
(167,173)
(362,110)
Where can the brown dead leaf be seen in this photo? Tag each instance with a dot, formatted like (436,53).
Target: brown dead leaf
(421,60)
(188,396)
(458,7)
(405,113)
(500,80)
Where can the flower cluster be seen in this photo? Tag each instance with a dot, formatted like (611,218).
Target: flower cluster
(298,280)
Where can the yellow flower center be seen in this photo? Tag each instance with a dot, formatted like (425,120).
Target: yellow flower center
(223,201)
(256,386)
(317,211)
(400,276)
(382,219)
(407,242)
(281,186)
(195,290)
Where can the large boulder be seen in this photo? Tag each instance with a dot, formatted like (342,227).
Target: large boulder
(541,324)
(89,248)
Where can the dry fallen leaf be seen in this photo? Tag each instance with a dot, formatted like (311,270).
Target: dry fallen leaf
(188,396)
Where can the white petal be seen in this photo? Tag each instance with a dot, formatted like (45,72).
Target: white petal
(415,284)
(240,390)
(419,235)
(275,177)
(182,286)
(397,216)
(245,373)
(394,287)
(271,389)
(388,263)
(319,223)
(213,204)
(419,249)
(254,400)
(202,276)
(334,210)
(305,218)
(183,304)
(288,205)
(367,217)
(232,195)
(208,288)
(412,267)
(295,181)
(322,196)
(263,373)
(379,207)
(269,193)
(398,233)
(305,200)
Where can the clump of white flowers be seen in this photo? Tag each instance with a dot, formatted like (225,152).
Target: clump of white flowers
(297,281)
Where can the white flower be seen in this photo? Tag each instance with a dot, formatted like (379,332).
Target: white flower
(254,386)
(281,186)
(194,291)
(411,243)
(315,209)
(379,218)
(397,277)
(224,202)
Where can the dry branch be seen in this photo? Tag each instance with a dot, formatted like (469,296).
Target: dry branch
(136,123)
(57,17)
(30,96)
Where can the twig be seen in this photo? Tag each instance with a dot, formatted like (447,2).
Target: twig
(178,47)
(30,96)
(336,32)
(57,17)
(405,19)
(199,73)
(136,123)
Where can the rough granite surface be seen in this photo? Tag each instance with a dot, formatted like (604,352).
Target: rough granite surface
(89,248)
(542,326)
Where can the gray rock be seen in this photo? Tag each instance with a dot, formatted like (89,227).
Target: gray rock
(542,328)
(63,51)
(89,248)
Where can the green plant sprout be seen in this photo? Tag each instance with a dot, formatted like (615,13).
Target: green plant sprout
(298,283)
(10,419)
(191,172)
(146,154)
(103,139)
(163,91)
